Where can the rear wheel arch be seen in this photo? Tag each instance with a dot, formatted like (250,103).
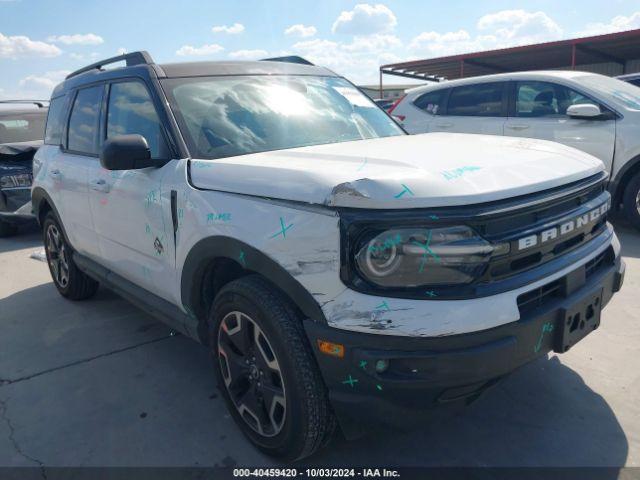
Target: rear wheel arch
(213,262)
(624,176)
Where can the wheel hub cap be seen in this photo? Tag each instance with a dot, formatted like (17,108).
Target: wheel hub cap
(252,374)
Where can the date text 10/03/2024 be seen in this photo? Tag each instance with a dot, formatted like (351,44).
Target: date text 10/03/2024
(316,472)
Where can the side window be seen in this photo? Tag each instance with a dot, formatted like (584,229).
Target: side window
(431,102)
(544,99)
(480,100)
(55,121)
(84,121)
(131,111)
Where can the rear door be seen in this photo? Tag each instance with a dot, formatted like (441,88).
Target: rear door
(538,110)
(73,164)
(131,210)
(474,108)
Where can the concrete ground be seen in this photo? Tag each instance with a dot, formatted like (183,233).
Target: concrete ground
(101,383)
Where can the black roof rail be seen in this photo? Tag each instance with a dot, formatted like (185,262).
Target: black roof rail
(134,58)
(39,103)
(288,59)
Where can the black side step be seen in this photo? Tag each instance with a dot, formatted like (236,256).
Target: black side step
(158,307)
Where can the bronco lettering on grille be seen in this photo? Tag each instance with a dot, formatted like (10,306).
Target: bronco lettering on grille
(563,229)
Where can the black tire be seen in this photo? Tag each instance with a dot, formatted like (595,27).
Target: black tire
(72,284)
(307,420)
(7,229)
(631,201)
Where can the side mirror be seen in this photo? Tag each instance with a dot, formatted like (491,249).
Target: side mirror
(585,110)
(126,152)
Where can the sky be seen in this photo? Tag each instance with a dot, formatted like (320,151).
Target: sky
(43,40)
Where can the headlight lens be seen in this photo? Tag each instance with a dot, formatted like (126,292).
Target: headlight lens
(412,257)
(13,181)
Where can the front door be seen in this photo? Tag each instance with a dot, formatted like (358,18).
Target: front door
(131,210)
(540,112)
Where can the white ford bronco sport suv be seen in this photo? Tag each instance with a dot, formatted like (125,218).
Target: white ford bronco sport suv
(341,271)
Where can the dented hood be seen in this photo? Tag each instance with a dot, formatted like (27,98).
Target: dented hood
(428,170)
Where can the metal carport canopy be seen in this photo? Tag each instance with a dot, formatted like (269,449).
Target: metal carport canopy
(609,48)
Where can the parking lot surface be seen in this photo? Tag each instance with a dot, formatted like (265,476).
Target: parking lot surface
(101,383)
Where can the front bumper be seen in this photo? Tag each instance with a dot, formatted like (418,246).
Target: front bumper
(424,373)
(15,206)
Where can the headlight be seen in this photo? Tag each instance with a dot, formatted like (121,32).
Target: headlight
(412,257)
(13,181)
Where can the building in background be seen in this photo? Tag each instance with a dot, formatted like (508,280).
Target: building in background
(610,54)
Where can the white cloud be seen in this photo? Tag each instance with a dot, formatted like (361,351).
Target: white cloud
(191,51)
(502,29)
(520,26)
(248,54)
(84,56)
(365,19)
(358,60)
(40,86)
(231,29)
(616,24)
(300,30)
(77,39)
(21,46)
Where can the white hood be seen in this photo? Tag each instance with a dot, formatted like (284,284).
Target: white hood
(409,171)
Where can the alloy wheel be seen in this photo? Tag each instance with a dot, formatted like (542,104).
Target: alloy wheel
(57,256)
(252,374)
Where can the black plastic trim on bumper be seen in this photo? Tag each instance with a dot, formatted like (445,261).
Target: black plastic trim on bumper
(11,201)
(424,373)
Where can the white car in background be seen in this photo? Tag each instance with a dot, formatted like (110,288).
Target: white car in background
(594,113)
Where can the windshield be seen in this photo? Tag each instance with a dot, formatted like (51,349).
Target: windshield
(23,127)
(227,116)
(618,91)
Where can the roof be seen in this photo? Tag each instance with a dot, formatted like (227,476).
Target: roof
(141,64)
(617,47)
(533,74)
(193,69)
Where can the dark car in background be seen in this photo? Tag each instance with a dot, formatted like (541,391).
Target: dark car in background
(632,78)
(21,132)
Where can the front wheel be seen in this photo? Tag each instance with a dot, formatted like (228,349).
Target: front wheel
(68,279)
(266,370)
(631,201)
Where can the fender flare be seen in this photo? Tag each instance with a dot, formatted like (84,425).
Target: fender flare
(206,250)
(38,196)
(615,184)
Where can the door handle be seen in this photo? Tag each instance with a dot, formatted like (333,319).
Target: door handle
(55,173)
(100,185)
(517,127)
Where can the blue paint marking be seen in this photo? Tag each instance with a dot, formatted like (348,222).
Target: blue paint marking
(431,293)
(363,364)
(458,172)
(242,259)
(383,306)
(434,217)
(404,190)
(222,217)
(351,381)
(362,165)
(427,251)
(147,229)
(379,387)
(283,230)
(547,327)
(388,243)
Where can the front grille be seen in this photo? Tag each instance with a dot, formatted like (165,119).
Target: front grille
(541,296)
(546,218)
